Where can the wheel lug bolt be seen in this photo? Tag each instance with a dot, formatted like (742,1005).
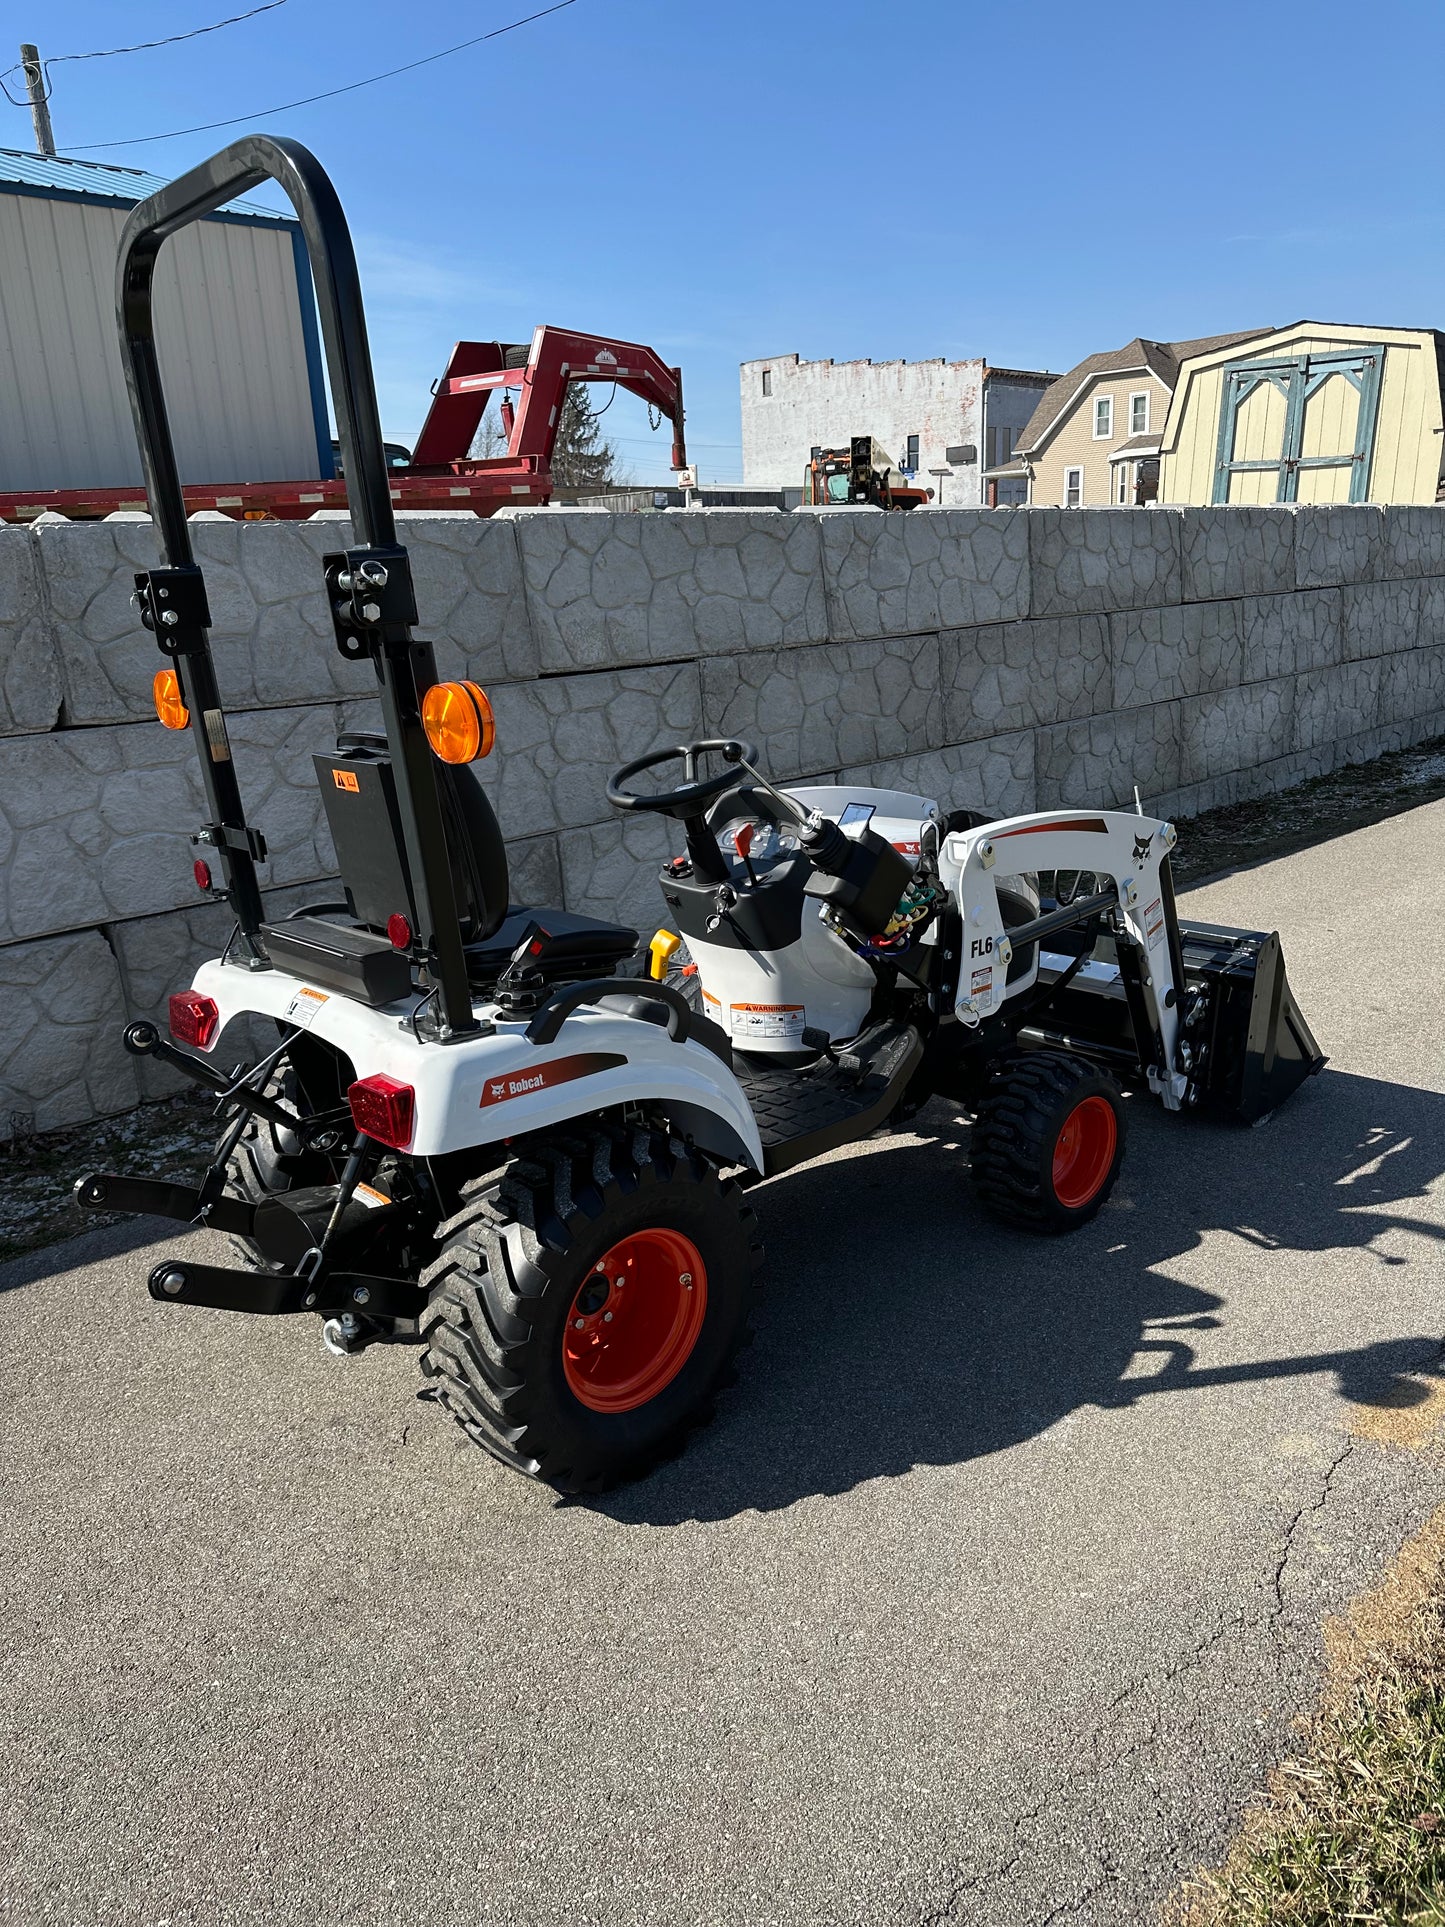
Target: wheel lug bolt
(607,1317)
(579,1323)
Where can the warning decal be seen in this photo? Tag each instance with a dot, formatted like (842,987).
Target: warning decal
(1154,919)
(785,1021)
(562,1070)
(304,1007)
(981,982)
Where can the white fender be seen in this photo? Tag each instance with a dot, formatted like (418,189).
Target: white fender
(483,1089)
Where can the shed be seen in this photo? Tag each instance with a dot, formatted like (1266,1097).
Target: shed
(1316,412)
(241,356)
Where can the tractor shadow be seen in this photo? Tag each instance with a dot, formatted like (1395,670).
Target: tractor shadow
(902,1327)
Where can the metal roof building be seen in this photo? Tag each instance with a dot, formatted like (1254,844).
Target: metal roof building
(241,357)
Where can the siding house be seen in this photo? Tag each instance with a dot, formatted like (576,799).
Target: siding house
(1316,412)
(1093,440)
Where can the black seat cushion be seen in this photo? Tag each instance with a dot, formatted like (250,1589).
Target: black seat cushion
(580,946)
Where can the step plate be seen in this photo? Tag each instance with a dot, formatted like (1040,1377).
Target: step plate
(803,1113)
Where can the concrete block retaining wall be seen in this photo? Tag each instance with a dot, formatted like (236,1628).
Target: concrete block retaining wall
(1008,659)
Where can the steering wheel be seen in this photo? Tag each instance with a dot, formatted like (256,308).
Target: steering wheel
(695,792)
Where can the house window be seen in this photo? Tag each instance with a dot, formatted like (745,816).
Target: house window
(1000,445)
(910,456)
(1103,417)
(1139,413)
(767,381)
(1073,488)
(1121,484)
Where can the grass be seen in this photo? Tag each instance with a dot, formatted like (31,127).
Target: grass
(1352,1832)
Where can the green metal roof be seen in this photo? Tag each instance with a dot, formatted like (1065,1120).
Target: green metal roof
(96,181)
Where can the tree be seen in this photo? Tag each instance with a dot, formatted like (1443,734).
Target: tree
(581,457)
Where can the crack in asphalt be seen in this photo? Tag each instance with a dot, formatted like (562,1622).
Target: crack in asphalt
(1077,1778)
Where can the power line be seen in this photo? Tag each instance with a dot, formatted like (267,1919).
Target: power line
(141,47)
(206,127)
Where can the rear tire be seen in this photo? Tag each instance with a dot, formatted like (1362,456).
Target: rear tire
(532,1349)
(269,1161)
(1048,1140)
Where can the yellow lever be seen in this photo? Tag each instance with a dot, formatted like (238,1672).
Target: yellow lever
(659,950)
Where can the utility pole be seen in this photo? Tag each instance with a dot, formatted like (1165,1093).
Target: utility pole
(39,107)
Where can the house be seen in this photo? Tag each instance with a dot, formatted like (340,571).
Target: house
(942,422)
(1316,412)
(242,356)
(1093,439)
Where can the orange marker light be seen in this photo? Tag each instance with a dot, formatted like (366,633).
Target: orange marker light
(458,721)
(166,688)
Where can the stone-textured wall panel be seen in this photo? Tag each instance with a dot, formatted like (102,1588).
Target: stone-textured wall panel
(809,710)
(30,681)
(1016,675)
(1237,552)
(1413,685)
(892,574)
(1380,618)
(271,634)
(1413,540)
(94,823)
(1337,543)
(1099,559)
(1431,629)
(1283,634)
(1233,727)
(561,737)
(1098,762)
(610,870)
(1181,651)
(1341,701)
(534,871)
(607,590)
(996,775)
(61,1012)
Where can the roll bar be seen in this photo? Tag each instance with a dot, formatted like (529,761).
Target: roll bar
(369,587)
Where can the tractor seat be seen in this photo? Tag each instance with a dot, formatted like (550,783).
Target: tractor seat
(580,946)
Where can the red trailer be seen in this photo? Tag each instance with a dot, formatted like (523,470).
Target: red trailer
(532,379)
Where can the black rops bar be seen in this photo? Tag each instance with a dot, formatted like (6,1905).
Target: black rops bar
(173,596)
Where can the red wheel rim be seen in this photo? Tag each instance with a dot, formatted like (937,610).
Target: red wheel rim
(1084,1152)
(635,1318)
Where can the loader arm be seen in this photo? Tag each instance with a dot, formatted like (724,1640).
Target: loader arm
(539,376)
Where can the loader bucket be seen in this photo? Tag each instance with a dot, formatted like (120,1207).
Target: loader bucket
(1252,1043)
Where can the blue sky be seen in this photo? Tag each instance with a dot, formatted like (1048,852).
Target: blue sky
(1030,183)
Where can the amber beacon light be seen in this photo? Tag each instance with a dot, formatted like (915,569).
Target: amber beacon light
(170,705)
(458,721)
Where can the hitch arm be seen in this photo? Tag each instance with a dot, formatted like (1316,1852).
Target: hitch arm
(144,1040)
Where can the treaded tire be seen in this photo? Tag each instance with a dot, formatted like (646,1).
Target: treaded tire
(513,1261)
(269,1161)
(1028,1099)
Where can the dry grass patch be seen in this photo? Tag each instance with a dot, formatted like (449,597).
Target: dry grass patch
(1352,1833)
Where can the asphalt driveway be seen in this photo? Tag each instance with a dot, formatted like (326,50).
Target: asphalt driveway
(988,1597)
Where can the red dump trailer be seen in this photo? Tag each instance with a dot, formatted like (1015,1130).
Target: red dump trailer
(531,379)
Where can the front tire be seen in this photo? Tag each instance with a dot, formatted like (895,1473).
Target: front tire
(532,1341)
(1048,1140)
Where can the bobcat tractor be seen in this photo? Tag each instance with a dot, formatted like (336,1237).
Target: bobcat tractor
(521,1138)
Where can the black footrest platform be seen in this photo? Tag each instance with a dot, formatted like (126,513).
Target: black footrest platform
(803,1113)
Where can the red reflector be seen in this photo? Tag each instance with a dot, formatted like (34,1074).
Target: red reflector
(383,1109)
(194,1018)
(398,932)
(201,871)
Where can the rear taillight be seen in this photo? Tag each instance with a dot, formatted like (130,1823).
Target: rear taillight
(383,1109)
(194,1019)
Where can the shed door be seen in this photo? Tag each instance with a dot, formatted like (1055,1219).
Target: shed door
(1299,429)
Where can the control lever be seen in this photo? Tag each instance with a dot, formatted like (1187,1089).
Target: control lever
(819,1040)
(519,988)
(827,846)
